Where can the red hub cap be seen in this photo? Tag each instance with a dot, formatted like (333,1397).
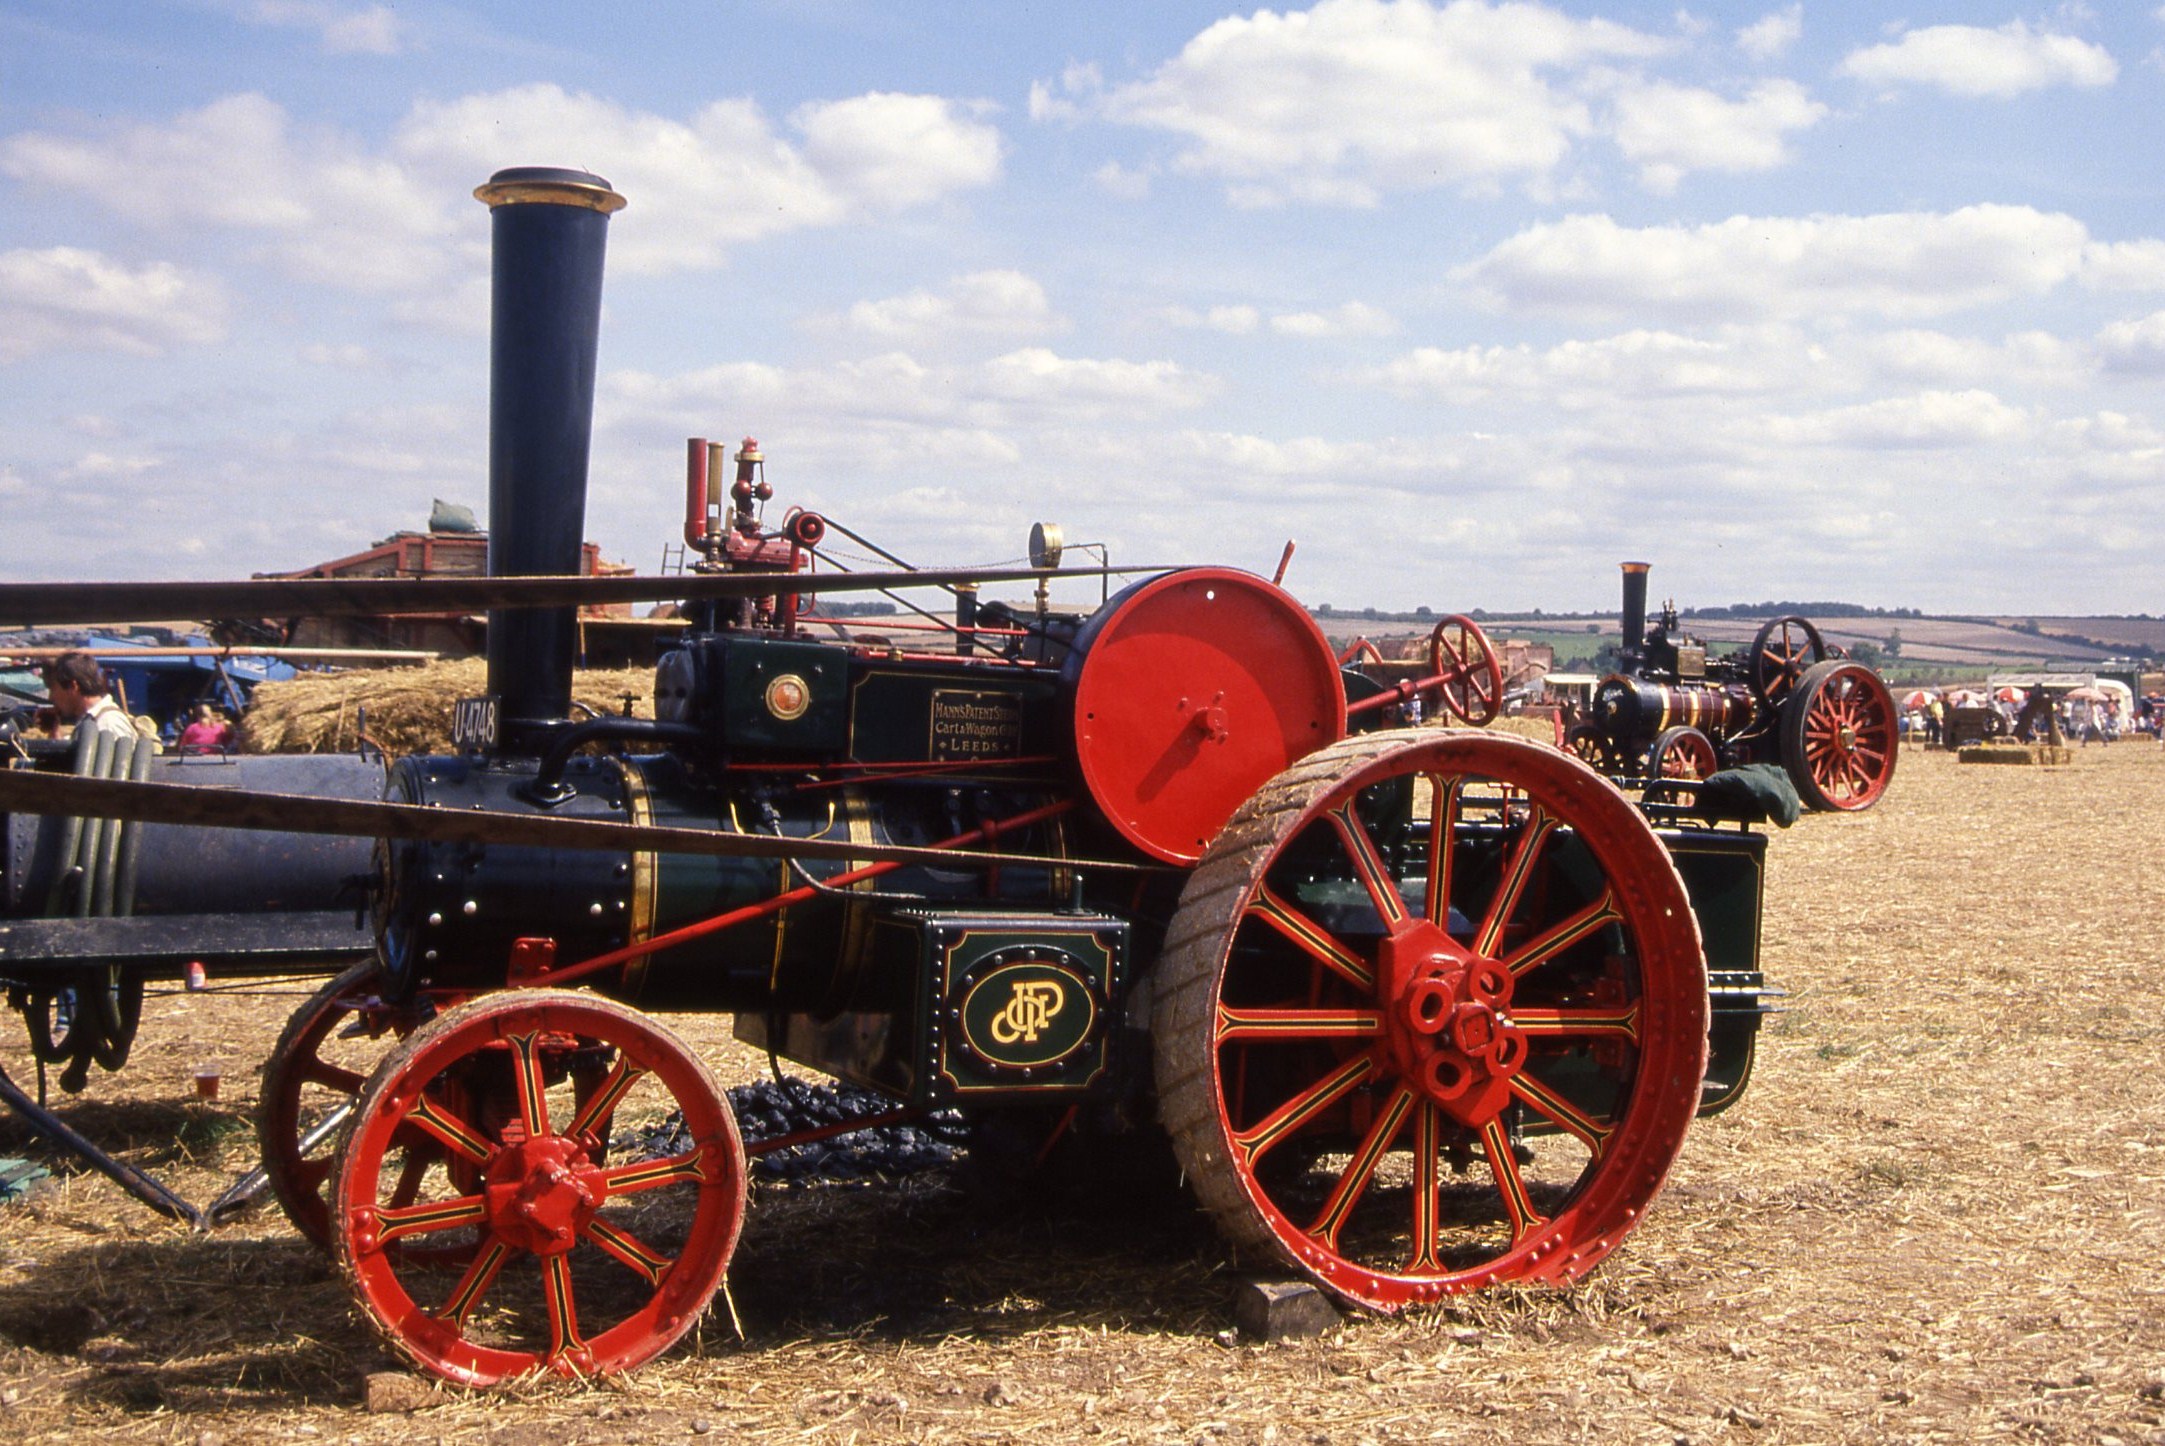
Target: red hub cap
(1449,1032)
(543,1194)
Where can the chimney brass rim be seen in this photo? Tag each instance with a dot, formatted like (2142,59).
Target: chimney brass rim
(538,185)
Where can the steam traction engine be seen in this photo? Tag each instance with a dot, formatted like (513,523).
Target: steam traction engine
(1671,712)
(1419,1010)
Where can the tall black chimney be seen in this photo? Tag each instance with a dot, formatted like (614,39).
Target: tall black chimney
(1634,610)
(551,227)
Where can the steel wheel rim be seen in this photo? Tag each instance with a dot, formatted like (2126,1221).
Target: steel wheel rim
(1390,1229)
(535,1190)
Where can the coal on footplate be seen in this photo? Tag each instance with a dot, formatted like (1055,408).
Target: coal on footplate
(770,1109)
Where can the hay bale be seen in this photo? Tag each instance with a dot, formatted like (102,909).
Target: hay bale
(1996,753)
(408,710)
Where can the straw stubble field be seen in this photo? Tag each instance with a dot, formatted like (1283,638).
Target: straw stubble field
(1938,1216)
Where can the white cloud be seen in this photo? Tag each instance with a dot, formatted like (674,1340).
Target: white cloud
(725,177)
(328,209)
(1968,60)
(1355,318)
(2136,346)
(1337,104)
(1046,104)
(1038,376)
(372,30)
(323,207)
(2124,265)
(1904,264)
(64,298)
(1121,183)
(95,466)
(1033,384)
(2032,359)
(1232,320)
(1670,130)
(889,152)
(984,303)
(1772,34)
(1935,420)
(1634,366)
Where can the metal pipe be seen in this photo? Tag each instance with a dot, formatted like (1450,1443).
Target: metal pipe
(695,493)
(548,785)
(550,231)
(92,842)
(126,1176)
(131,835)
(966,618)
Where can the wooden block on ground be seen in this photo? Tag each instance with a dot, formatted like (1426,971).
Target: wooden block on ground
(1282,1310)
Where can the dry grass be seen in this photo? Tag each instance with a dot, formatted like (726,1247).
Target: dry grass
(1938,1216)
(408,710)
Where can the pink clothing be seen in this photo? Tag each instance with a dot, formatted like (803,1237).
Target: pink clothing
(205,737)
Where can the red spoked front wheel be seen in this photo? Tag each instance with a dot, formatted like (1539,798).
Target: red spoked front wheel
(582,1154)
(1472,686)
(1840,736)
(1432,1015)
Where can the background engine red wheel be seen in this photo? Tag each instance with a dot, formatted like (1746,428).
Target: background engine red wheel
(1472,686)
(1432,1015)
(1680,753)
(584,1151)
(1781,650)
(1587,743)
(1839,736)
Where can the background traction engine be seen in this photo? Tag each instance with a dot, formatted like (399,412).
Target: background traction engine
(1419,1010)
(1671,712)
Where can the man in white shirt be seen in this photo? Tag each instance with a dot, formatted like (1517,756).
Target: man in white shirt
(76,685)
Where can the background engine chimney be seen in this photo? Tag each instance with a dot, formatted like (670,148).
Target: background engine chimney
(551,227)
(1634,609)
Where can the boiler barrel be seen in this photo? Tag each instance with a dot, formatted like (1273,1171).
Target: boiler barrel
(449,914)
(184,869)
(1633,709)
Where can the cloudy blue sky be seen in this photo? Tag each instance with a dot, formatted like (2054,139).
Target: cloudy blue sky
(1470,299)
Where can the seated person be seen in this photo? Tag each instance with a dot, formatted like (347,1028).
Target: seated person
(207,731)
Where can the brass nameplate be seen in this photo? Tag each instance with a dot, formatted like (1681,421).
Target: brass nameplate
(975,725)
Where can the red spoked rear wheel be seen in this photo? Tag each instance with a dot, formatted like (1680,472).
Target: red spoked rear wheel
(1432,1015)
(310,1082)
(1472,686)
(1840,736)
(587,1159)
